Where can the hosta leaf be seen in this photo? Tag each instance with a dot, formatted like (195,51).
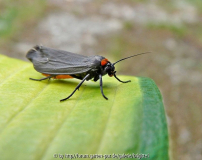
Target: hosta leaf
(35,125)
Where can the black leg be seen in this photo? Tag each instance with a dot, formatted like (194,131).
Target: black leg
(77,87)
(48,77)
(119,79)
(100,76)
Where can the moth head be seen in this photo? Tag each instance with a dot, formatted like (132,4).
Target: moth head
(108,67)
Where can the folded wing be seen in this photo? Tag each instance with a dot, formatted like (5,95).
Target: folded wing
(57,62)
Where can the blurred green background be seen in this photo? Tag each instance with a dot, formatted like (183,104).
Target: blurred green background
(170,29)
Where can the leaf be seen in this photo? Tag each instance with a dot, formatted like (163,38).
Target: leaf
(35,125)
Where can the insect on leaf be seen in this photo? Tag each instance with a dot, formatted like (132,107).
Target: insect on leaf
(35,125)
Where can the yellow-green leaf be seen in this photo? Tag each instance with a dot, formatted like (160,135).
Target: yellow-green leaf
(35,125)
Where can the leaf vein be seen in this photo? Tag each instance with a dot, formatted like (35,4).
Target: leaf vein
(59,128)
(106,126)
(13,74)
(21,110)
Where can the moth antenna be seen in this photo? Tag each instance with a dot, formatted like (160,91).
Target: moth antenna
(130,57)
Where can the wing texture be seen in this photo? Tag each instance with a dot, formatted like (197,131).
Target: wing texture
(50,61)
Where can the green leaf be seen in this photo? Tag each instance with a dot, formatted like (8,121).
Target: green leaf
(35,125)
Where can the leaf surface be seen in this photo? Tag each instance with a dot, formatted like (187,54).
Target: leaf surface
(35,125)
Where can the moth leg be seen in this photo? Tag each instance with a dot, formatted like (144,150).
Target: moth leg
(77,87)
(100,76)
(119,79)
(48,77)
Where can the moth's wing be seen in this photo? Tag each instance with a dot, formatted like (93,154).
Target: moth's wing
(57,62)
